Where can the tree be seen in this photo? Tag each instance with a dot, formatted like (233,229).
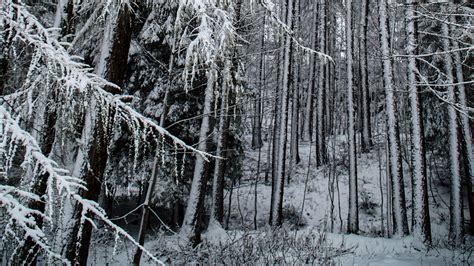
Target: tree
(353,218)
(321,152)
(396,178)
(364,74)
(228,81)
(456,233)
(421,217)
(97,131)
(278,181)
(211,54)
(466,133)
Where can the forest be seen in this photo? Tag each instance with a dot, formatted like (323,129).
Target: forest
(155,132)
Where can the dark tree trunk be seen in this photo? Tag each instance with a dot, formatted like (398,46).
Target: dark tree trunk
(78,245)
(29,250)
(364,72)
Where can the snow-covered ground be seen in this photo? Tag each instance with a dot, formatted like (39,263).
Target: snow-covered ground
(307,209)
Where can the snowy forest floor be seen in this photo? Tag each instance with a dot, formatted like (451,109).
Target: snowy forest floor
(309,217)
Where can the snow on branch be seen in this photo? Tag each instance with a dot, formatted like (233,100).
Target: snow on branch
(65,185)
(74,81)
(212,39)
(468,49)
(76,76)
(33,154)
(22,217)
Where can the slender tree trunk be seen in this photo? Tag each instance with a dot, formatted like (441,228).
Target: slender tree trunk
(270,151)
(229,78)
(327,77)
(456,234)
(257,127)
(321,144)
(398,194)
(366,125)
(217,203)
(353,218)
(277,188)
(144,219)
(421,216)
(145,209)
(468,156)
(294,83)
(277,111)
(308,111)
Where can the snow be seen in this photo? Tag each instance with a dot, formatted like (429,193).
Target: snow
(317,206)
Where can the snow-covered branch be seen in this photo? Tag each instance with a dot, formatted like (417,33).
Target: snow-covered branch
(76,76)
(65,185)
(22,217)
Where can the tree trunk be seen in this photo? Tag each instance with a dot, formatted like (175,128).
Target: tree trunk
(257,125)
(353,217)
(400,222)
(366,125)
(308,111)
(293,84)
(217,203)
(468,157)
(321,157)
(96,133)
(456,234)
(277,188)
(191,227)
(421,216)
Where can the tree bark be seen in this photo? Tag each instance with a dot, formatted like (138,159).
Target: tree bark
(217,203)
(257,125)
(420,212)
(456,233)
(353,215)
(321,156)
(278,182)
(191,227)
(366,125)
(468,157)
(400,222)
(96,133)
